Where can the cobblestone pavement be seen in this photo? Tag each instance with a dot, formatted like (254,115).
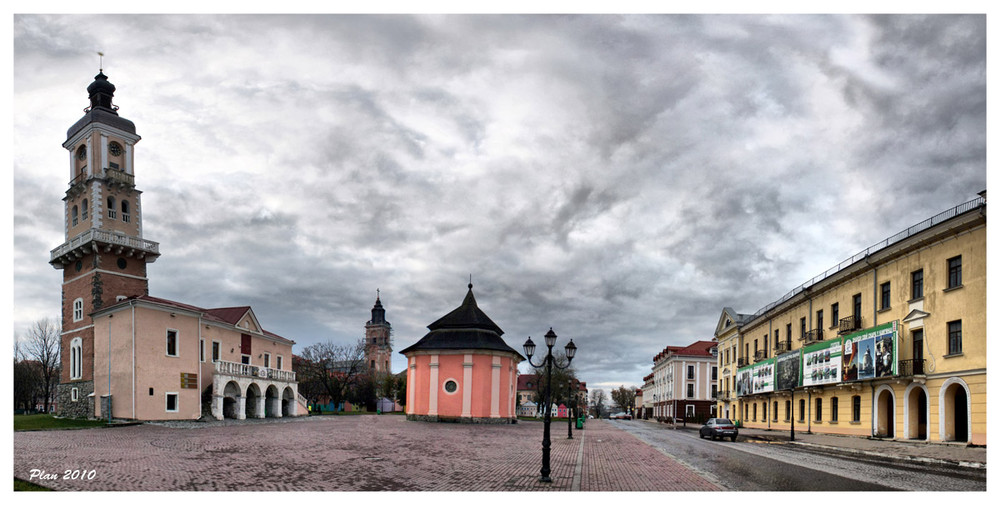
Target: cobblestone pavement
(348,453)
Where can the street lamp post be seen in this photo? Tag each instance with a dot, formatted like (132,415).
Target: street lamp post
(571,405)
(548,362)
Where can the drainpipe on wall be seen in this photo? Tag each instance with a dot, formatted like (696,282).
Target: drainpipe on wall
(132,304)
(872,410)
(109,367)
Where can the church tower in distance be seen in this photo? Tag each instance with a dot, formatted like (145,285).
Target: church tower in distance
(378,342)
(104,257)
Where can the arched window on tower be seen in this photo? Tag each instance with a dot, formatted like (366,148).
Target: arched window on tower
(76,358)
(83,210)
(125,213)
(75,215)
(77,309)
(112,210)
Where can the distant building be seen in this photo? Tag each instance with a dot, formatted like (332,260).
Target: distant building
(890,343)
(685,382)
(122,350)
(462,371)
(378,340)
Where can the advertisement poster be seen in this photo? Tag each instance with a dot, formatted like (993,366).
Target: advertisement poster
(821,363)
(871,353)
(788,370)
(757,378)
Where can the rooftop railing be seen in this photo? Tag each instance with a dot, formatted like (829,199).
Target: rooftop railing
(917,228)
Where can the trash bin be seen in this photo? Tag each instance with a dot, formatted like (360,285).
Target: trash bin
(579,423)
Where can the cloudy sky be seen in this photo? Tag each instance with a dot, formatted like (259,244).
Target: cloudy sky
(620,179)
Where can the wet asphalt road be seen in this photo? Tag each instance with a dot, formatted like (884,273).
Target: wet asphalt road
(758,466)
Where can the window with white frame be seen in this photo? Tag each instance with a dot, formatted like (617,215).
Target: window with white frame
(216,350)
(74,394)
(171,342)
(76,358)
(279,362)
(171,402)
(267,360)
(78,309)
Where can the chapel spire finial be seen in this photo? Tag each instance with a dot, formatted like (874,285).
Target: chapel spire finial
(101,68)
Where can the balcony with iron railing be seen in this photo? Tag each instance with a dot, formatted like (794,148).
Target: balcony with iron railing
(849,324)
(782,347)
(910,367)
(742,362)
(814,335)
(244,370)
(759,356)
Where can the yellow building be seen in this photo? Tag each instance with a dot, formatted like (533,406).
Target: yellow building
(889,343)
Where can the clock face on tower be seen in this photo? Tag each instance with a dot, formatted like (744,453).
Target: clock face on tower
(115,149)
(81,153)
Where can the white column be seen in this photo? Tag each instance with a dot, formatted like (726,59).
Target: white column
(495,388)
(410,385)
(260,407)
(467,386)
(432,409)
(241,412)
(217,402)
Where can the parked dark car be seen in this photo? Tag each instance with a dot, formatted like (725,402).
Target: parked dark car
(718,427)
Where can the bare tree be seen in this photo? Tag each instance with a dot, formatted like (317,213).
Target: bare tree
(331,370)
(598,402)
(624,398)
(41,345)
(26,380)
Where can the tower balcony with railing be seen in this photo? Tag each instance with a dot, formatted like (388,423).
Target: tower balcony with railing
(96,240)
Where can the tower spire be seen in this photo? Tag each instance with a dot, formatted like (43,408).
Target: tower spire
(101,68)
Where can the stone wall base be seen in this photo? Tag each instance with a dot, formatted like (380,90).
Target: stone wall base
(83,406)
(460,420)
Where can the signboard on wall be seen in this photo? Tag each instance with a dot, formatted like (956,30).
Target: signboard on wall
(789,373)
(821,363)
(756,378)
(871,353)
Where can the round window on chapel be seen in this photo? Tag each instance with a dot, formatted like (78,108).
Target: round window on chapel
(79,265)
(122,264)
(451,386)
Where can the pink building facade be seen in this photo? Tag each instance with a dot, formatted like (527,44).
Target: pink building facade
(462,371)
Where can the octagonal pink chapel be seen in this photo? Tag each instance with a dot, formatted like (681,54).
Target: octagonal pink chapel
(462,371)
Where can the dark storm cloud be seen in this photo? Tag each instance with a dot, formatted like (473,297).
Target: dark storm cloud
(617,178)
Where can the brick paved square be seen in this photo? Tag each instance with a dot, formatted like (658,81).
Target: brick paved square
(349,453)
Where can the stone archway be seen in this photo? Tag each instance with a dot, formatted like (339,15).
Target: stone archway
(953,411)
(231,408)
(885,413)
(916,412)
(288,402)
(272,404)
(254,407)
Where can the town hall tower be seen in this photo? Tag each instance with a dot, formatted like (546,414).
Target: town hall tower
(378,341)
(104,256)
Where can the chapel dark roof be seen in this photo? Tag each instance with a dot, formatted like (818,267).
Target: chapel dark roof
(466,327)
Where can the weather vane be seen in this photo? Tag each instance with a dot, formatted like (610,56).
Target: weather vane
(102,60)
